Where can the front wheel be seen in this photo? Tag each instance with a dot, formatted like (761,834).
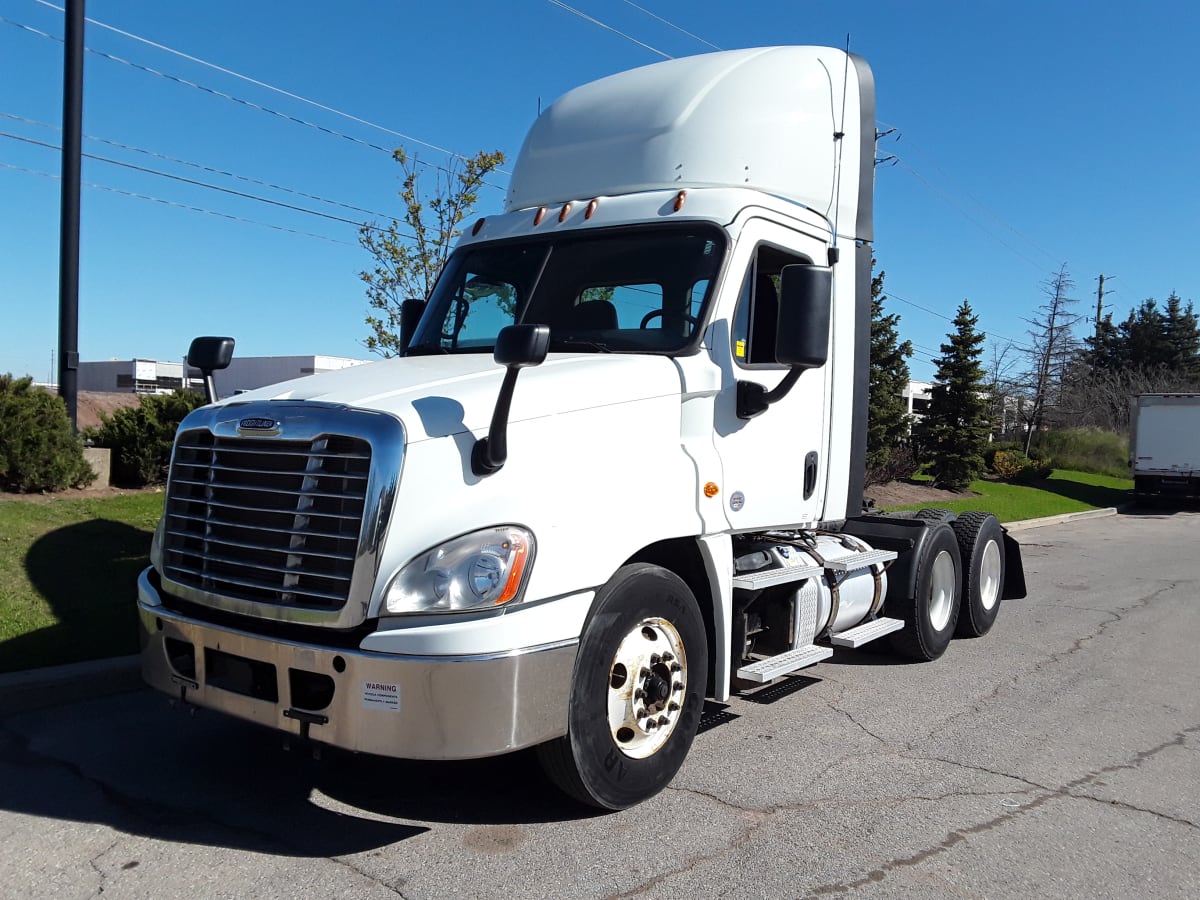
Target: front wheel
(637,693)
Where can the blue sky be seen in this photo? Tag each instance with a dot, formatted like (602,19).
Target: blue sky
(1031,135)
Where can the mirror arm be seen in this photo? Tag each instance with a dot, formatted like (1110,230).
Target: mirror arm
(753,399)
(490,453)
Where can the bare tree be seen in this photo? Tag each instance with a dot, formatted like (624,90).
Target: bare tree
(1004,386)
(1052,347)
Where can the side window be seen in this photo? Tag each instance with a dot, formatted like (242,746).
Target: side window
(756,318)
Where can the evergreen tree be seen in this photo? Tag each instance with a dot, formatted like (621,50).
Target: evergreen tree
(955,431)
(1181,351)
(1142,337)
(1103,351)
(887,414)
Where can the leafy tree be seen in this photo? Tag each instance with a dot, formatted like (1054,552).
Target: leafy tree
(408,263)
(955,431)
(887,415)
(38,451)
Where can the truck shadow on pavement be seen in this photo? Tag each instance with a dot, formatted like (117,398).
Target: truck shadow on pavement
(134,764)
(87,573)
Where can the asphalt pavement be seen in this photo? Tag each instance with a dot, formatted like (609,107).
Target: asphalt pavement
(1056,756)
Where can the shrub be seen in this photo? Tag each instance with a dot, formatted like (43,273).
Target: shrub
(38,452)
(989,455)
(1013,465)
(901,463)
(141,436)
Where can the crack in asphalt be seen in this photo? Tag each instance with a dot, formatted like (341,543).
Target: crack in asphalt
(15,749)
(1115,616)
(94,863)
(1066,791)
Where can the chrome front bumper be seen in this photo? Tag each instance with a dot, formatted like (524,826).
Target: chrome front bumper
(428,707)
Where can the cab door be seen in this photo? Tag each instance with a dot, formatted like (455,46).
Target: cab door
(773,465)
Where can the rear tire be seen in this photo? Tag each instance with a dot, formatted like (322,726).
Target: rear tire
(637,693)
(981,545)
(930,616)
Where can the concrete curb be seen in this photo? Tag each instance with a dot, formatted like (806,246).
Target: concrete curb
(56,685)
(1023,524)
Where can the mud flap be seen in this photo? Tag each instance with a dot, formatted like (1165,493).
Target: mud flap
(1014,570)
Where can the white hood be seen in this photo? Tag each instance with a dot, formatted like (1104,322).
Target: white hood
(436,396)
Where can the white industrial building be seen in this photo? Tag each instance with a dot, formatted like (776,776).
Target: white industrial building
(245,373)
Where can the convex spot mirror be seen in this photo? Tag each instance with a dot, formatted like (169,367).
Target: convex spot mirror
(805,300)
(518,346)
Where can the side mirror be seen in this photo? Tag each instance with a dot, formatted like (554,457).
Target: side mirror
(411,311)
(801,335)
(805,301)
(517,346)
(208,354)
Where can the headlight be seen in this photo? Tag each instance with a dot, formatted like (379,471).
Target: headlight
(480,570)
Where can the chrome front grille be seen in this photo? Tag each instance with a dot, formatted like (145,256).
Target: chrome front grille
(266,520)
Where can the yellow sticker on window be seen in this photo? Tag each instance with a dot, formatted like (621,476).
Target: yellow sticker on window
(739,349)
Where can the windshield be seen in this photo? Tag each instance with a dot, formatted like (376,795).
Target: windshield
(641,290)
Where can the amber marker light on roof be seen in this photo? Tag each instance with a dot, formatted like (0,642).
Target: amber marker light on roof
(591,208)
(541,214)
(562,216)
(710,490)
(679,198)
(478,225)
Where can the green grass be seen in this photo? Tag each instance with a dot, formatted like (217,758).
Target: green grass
(68,577)
(1062,492)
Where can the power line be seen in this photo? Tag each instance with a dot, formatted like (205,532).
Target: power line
(694,37)
(235,99)
(203,168)
(262,84)
(603,25)
(204,184)
(177,205)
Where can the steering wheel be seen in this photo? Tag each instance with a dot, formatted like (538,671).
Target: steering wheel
(657,313)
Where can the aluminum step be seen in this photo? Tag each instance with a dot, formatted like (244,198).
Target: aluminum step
(860,560)
(756,581)
(766,669)
(865,633)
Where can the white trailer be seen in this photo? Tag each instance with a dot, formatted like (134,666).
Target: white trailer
(1164,446)
(427,557)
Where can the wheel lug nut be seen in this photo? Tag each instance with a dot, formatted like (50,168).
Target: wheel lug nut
(672,706)
(663,721)
(639,694)
(667,657)
(651,725)
(645,673)
(677,686)
(654,657)
(676,667)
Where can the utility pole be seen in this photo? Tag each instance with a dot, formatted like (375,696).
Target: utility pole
(1100,302)
(68,259)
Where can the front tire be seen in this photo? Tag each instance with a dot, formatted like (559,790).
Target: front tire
(930,616)
(637,693)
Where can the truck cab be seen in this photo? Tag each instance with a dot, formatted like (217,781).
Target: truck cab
(617,471)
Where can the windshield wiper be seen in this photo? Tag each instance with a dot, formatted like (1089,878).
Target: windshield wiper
(578,344)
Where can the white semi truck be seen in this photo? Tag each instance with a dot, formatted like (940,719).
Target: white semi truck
(429,557)
(1164,447)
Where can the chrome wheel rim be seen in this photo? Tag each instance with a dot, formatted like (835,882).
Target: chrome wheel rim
(989,575)
(646,686)
(941,591)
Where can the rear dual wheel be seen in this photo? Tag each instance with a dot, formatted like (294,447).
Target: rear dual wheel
(637,694)
(981,545)
(930,616)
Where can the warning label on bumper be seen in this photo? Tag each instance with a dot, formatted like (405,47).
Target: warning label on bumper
(380,695)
